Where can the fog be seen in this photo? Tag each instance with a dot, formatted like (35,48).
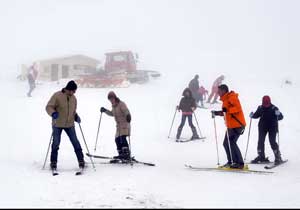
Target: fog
(175,37)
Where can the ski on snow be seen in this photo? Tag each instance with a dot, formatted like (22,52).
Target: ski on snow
(225,169)
(188,140)
(273,165)
(117,160)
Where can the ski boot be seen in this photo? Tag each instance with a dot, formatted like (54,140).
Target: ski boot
(226,165)
(195,134)
(237,166)
(260,159)
(278,159)
(81,164)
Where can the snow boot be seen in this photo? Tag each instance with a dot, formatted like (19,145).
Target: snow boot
(277,154)
(226,165)
(195,134)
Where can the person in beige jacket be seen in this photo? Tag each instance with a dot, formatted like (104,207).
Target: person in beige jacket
(123,118)
(62,108)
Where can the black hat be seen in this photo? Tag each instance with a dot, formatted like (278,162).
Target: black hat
(224,87)
(71,85)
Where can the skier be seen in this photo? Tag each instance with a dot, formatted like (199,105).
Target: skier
(31,76)
(214,89)
(269,116)
(194,87)
(235,123)
(123,118)
(62,108)
(187,105)
(202,92)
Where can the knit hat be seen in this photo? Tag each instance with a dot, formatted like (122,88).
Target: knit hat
(71,85)
(266,101)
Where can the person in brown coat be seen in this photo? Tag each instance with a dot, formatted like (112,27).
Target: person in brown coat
(187,105)
(123,118)
(62,108)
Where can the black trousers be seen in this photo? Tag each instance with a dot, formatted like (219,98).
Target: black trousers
(261,140)
(121,142)
(234,134)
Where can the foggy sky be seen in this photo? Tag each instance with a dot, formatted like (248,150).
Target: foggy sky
(183,37)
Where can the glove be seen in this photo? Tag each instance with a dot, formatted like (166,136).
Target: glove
(217,113)
(128,118)
(251,114)
(213,114)
(54,115)
(277,112)
(77,118)
(224,109)
(103,109)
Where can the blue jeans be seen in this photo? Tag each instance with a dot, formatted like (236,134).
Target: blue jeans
(73,138)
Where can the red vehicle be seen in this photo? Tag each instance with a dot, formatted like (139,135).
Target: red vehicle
(120,70)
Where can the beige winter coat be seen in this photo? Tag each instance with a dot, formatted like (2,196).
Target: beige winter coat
(65,106)
(120,111)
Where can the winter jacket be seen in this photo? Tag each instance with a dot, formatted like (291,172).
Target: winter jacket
(186,103)
(120,112)
(194,85)
(65,106)
(268,119)
(234,113)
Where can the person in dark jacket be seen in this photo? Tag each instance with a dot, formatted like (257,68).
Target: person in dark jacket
(194,87)
(269,116)
(187,105)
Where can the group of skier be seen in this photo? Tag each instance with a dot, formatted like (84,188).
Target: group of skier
(235,122)
(63,104)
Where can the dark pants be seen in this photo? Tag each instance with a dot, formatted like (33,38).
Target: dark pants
(233,134)
(122,144)
(73,138)
(190,120)
(31,88)
(261,140)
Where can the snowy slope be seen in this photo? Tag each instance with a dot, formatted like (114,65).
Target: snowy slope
(26,133)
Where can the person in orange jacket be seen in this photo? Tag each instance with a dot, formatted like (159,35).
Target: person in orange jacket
(235,123)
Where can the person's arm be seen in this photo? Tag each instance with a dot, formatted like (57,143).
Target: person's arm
(51,105)
(278,114)
(257,113)
(126,112)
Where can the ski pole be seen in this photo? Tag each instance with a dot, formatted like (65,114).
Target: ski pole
(198,124)
(98,132)
(86,145)
(48,151)
(213,116)
(228,141)
(172,122)
(248,139)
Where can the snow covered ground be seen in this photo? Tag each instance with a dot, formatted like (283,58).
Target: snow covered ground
(26,131)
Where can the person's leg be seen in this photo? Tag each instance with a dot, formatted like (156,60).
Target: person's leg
(118,141)
(227,149)
(183,119)
(234,135)
(56,132)
(125,147)
(194,130)
(75,142)
(261,143)
(274,146)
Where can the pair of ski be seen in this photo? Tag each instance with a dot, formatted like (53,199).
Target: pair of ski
(118,160)
(182,140)
(55,172)
(270,164)
(244,170)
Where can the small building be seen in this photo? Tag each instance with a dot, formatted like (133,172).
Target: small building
(65,67)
